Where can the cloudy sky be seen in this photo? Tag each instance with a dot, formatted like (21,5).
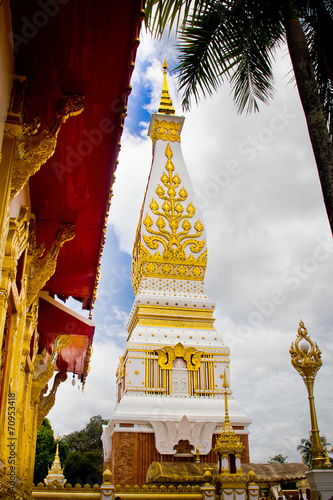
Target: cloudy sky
(270,259)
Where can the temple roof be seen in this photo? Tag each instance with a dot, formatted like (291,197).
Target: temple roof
(277,472)
(180,472)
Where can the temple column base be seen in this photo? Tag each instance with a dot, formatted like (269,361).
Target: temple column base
(107,492)
(321,484)
(208,492)
(253,491)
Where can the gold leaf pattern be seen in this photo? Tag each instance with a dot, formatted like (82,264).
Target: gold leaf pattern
(171,229)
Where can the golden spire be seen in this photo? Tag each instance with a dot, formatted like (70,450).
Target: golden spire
(56,466)
(327,463)
(227,427)
(166,107)
(228,439)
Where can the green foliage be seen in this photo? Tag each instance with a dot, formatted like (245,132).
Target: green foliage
(45,451)
(85,467)
(281,459)
(84,463)
(305,449)
(80,452)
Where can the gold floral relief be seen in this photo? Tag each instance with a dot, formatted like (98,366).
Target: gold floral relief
(168,354)
(167,131)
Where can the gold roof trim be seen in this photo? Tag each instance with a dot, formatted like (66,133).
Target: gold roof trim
(166,106)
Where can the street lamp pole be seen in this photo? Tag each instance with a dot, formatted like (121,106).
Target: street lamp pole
(306,359)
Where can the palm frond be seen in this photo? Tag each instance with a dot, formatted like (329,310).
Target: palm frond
(201,68)
(172,13)
(232,44)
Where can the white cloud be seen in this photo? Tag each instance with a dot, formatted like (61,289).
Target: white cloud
(270,253)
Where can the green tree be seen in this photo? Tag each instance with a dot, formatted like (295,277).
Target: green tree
(237,39)
(281,459)
(84,463)
(44,451)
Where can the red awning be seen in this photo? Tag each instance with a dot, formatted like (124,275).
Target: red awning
(86,48)
(55,319)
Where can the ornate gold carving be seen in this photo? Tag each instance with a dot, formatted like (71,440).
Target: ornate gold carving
(180,323)
(68,488)
(167,355)
(194,491)
(42,268)
(87,365)
(44,371)
(15,244)
(306,359)
(17,105)
(120,373)
(167,131)
(33,151)
(173,263)
(18,234)
(233,478)
(47,402)
(175,311)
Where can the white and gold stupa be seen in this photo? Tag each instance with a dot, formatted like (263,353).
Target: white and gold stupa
(170,378)
(55,475)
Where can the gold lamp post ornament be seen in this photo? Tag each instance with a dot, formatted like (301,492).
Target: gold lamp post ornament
(306,359)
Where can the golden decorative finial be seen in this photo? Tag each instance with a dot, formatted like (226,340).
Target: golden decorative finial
(228,439)
(327,463)
(197,455)
(306,359)
(107,475)
(166,107)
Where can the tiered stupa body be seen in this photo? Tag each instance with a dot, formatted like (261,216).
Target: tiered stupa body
(170,394)
(55,476)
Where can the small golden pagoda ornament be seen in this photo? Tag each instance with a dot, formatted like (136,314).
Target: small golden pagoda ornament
(55,476)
